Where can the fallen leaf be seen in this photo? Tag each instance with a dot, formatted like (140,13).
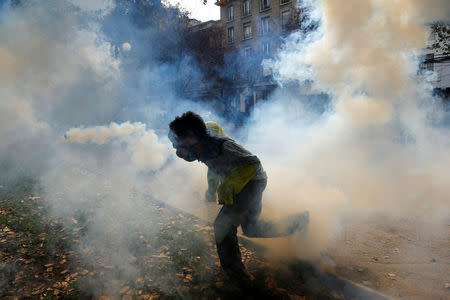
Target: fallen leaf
(106,266)
(219,284)
(296,297)
(270,282)
(337,296)
(161,255)
(139,280)
(187,278)
(124,290)
(391,276)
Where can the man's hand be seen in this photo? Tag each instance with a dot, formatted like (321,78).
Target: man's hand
(225,194)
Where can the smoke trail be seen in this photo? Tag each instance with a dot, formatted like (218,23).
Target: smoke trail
(146,151)
(378,149)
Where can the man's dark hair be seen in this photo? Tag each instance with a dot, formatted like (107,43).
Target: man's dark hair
(189,121)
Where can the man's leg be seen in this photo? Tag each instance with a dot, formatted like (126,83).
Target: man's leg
(253,226)
(225,229)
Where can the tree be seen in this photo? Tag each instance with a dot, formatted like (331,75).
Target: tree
(442,37)
(219,2)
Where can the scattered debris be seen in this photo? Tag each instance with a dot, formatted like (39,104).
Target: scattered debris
(391,276)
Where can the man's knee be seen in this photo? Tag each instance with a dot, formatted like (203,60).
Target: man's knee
(220,229)
(223,226)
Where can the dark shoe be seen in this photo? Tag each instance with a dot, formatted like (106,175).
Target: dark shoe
(299,223)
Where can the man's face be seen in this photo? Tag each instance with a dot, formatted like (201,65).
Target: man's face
(188,148)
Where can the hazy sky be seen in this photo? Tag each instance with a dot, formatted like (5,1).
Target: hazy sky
(198,10)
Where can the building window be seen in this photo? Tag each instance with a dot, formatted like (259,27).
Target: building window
(266,48)
(247,51)
(230,34)
(265,4)
(265,25)
(246,8)
(429,64)
(426,64)
(230,11)
(247,30)
(284,1)
(285,18)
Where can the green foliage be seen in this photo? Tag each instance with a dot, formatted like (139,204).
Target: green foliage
(442,33)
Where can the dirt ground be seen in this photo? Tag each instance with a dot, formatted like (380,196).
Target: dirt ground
(169,255)
(405,259)
(399,258)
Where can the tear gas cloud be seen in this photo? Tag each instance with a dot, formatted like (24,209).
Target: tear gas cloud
(143,146)
(63,72)
(380,147)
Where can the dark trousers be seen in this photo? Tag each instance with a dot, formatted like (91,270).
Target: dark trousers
(245,211)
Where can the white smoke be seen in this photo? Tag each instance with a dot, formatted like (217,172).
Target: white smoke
(57,71)
(374,151)
(144,147)
(379,148)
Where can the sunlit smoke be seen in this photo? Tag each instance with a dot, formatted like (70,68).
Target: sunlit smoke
(146,151)
(378,149)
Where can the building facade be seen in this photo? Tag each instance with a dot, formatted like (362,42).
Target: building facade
(436,61)
(253,31)
(255,24)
